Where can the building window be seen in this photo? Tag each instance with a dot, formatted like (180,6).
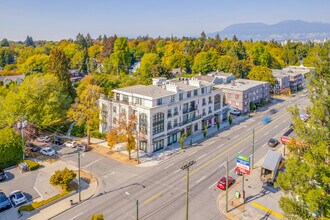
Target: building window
(114,120)
(143,122)
(114,108)
(138,101)
(236,96)
(176,112)
(169,113)
(185,108)
(229,102)
(204,112)
(203,90)
(196,127)
(195,92)
(180,96)
(172,98)
(123,111)
(172,139)
(158,145)
(125,99)
(210,110)
(237,103)
(175,124)
(158,123)
(188,94)
(169,125)
(159,101)
(204,102)
(217,102)
(210,100)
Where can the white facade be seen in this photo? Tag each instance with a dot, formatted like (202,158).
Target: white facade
(164,110)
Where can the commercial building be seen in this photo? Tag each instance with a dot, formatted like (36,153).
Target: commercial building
(164,110)
(241,92)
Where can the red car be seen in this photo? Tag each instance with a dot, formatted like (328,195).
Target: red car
(222,182)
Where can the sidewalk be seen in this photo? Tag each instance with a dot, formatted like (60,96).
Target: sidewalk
(261,201)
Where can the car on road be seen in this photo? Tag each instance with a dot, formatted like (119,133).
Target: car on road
(43,139)
(266,120)
(83,147)
(58,141)
(222,182)
(33,148)
(4,202)
(273,111)
(2,175)
(273,142)
(48,151)
(234,111)
(17,197)
(70,144)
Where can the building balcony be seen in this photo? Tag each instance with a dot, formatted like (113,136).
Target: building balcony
(190,120)
(190,109)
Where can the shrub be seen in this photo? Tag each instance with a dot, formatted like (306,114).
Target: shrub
(62,178)
(78,131)
(182,140)
(32,165)
(205,131)
(97,134)
(230,119)
(97,217)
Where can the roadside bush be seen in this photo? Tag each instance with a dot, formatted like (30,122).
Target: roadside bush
(230,119)
(32,165)
(97,217)
(78,131)
(62,178)
(205,131)
(97,134)
(182,140)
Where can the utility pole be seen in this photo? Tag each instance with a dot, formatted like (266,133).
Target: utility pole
(21,125)
(243,192)
(79,189)
(226,183)
(252,148)
(186,167)
(137,209)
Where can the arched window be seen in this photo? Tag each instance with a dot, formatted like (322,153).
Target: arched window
(143,122)
(158,123)
(217,102)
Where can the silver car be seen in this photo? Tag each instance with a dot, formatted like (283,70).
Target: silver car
(17,197)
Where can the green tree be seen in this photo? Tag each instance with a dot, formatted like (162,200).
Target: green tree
(81,41)
(183,136)
(121,57)
(7,56)
(34,64)
(10,147)
(62,178)
(41,98)
(306,177)
(148,61)
(29,41)
(4,43)
(58,66)
(205,131)
(79,61)
(85,109)
(261,73)
(205,62)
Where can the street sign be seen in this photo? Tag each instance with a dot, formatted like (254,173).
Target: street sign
(243,164)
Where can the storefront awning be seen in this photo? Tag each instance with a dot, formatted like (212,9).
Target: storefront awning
(173,132)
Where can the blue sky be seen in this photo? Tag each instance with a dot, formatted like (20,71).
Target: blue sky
(62,19)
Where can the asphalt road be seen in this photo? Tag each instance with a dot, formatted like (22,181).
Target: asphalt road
(161,190)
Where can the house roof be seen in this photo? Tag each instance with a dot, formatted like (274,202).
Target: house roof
(151,91)
(205,78)
(219,73)
(241,84)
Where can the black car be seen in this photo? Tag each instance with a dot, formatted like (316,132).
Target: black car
(2,175)
(272,142)
(33,148)
(273,111)
(58,141)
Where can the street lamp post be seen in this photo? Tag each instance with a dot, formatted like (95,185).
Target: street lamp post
(79,188)
(136,204)
(186,167)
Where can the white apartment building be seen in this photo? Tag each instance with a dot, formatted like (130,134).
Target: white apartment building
(164,110)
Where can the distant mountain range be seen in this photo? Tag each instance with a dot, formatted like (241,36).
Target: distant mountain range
(291,29)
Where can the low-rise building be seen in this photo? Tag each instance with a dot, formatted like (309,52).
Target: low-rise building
(14,78)
(164,110)
(282,81)
(241,92)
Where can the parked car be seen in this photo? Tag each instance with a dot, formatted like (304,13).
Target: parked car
(43,139)
(70,144)
(266,120)
(33,148)
(273,142)
(83,147)
(23,167)
(58,141)
(17,197)
(234,111)
(4,202)
(222,182)
(273,111)
(2,175)
(48,151)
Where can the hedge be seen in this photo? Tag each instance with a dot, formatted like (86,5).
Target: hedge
(97,134)
(32,165)
(35,205)
(97,217)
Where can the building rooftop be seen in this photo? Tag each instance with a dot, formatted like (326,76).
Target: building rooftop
(151,91)
(219,73)
(205,78)
(241,84)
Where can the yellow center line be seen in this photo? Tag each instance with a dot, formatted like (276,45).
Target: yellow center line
(278,215)
(153,197)
(229,149)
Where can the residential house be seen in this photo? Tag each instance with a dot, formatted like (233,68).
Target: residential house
(14,78)
(165,110)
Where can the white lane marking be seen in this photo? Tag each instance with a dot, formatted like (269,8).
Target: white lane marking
(37,191)
(249,129)
(259,123)
(276,126)
(213,185)
(236,136)
(266,133)
(177,171)
(285,120)
(106,176)
(77,215)
(232,170)
(223,164)
(201,156)
(200,179)
(220,146)
(193,153)
(168,166)
(90,164)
